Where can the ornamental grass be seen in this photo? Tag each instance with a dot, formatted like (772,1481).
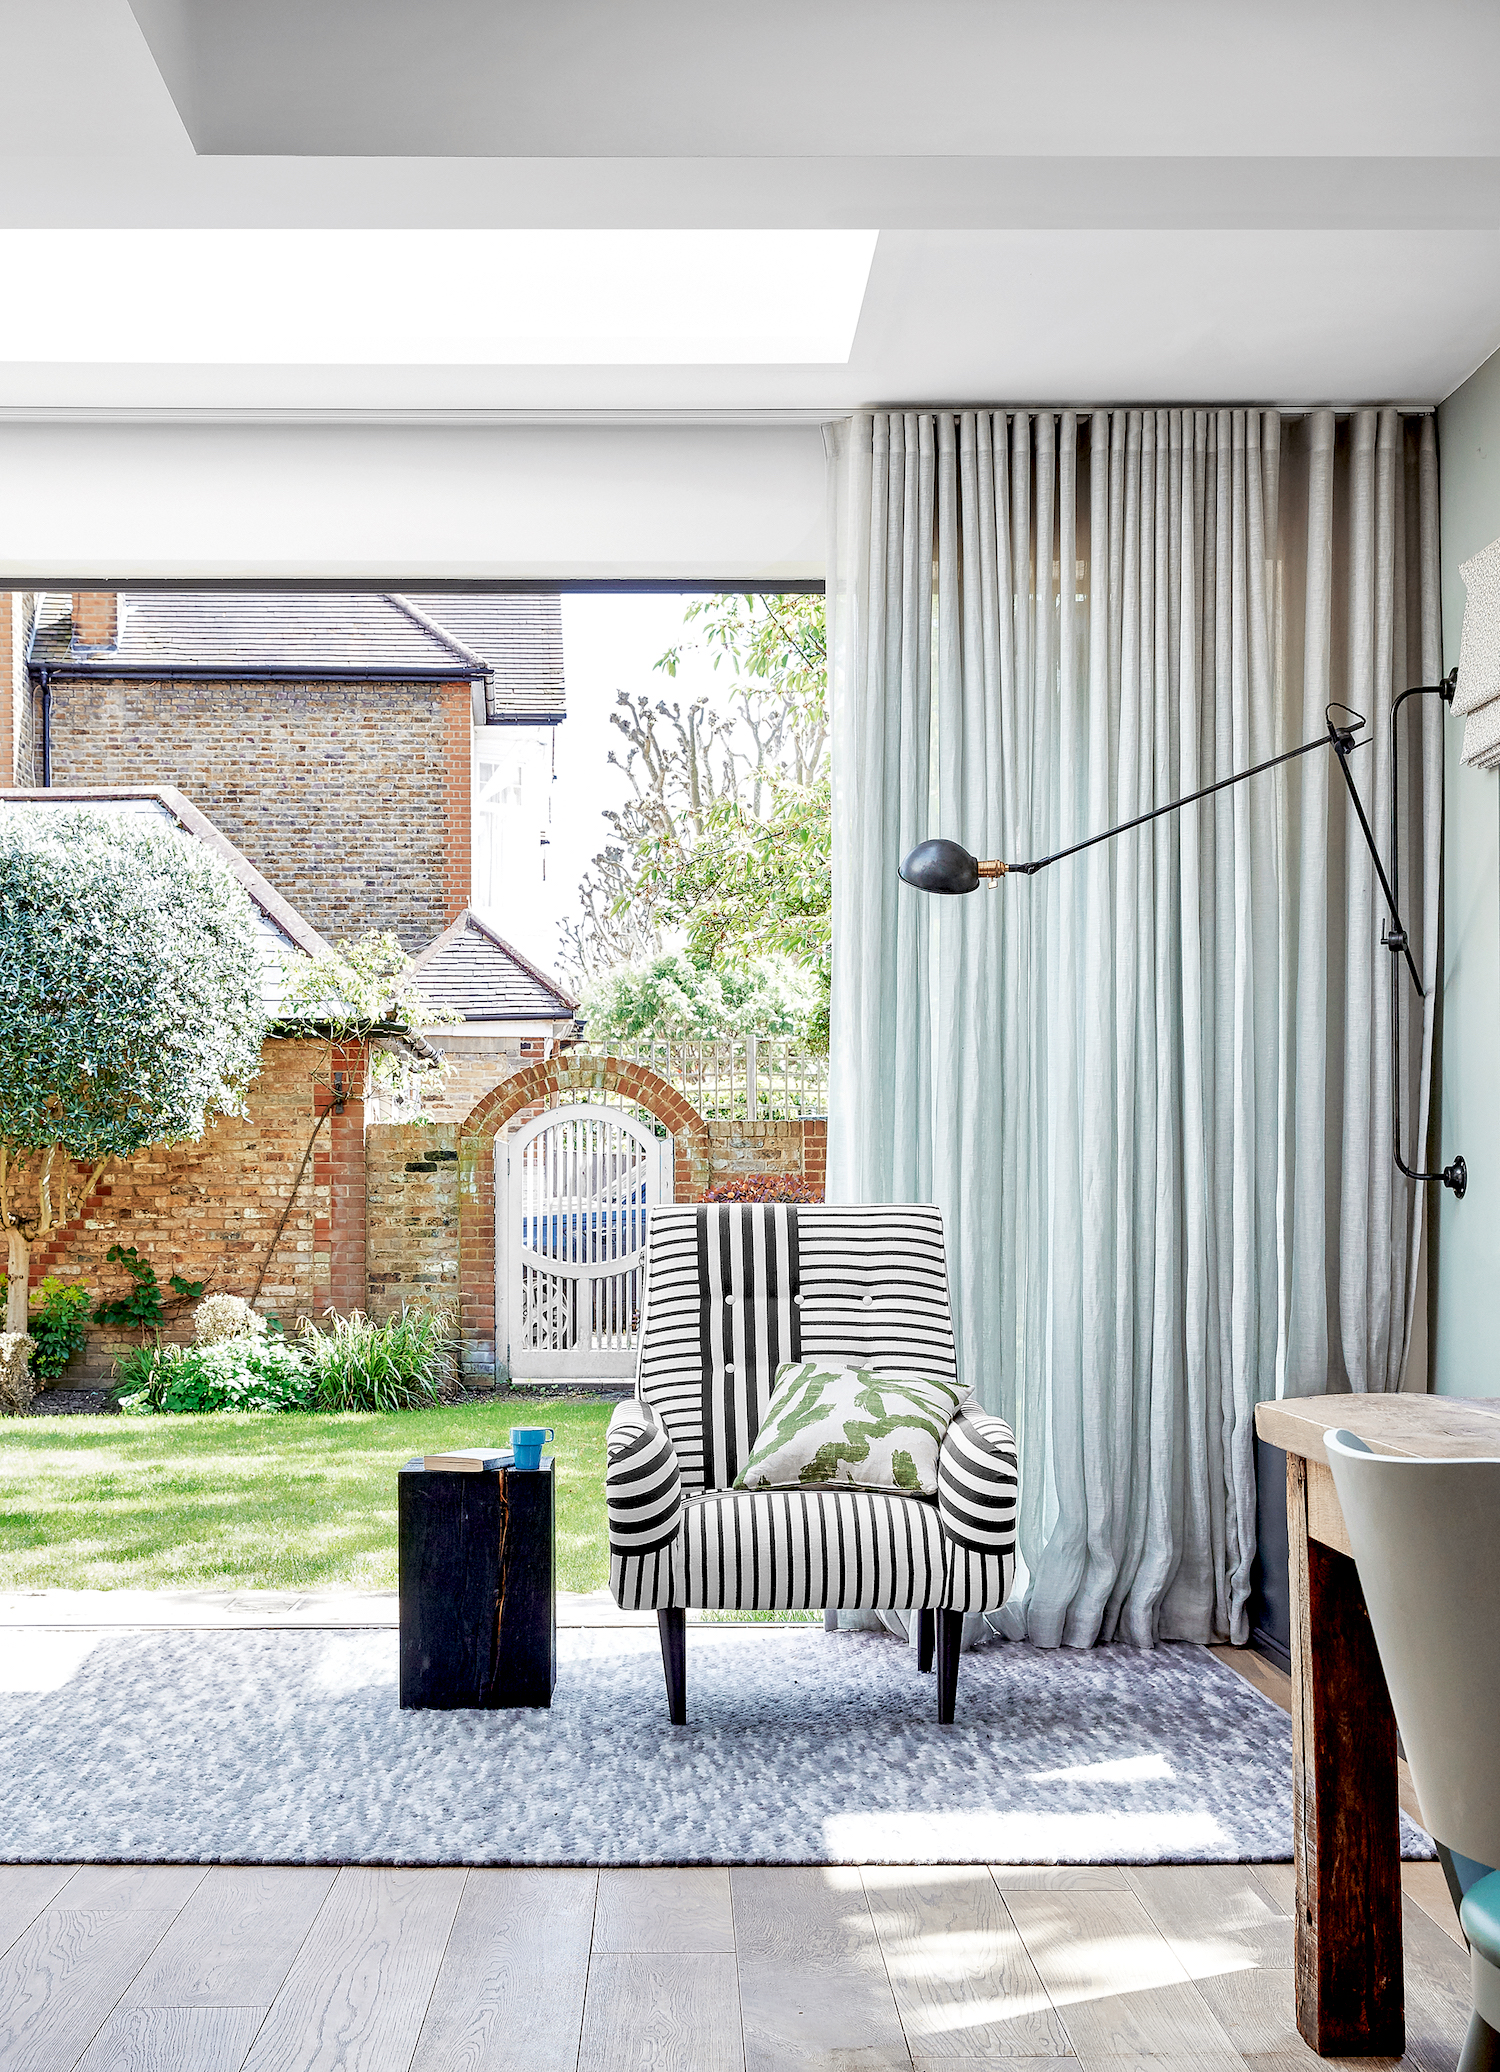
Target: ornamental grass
(402,1362)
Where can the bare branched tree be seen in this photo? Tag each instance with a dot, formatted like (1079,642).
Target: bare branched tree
(609,928)
(685,763)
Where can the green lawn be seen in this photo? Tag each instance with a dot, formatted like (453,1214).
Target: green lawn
(258,1502)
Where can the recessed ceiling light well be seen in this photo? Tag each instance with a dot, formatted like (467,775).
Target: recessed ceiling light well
(581,298)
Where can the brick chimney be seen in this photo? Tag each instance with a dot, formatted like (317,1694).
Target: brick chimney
(96,618)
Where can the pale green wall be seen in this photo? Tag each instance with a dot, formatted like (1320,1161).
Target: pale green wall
(1467,1346)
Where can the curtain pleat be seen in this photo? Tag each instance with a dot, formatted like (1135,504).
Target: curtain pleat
(1150,1087)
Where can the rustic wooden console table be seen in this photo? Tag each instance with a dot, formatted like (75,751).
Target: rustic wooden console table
(1345,1811)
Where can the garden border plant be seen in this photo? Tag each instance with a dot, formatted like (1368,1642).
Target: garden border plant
(56,1323)
(142,1307)
(356,1363)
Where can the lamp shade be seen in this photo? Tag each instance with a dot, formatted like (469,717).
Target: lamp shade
(940,866)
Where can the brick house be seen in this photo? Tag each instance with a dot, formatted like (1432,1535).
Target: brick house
(333,739)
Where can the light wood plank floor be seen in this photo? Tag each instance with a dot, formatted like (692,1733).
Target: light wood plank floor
(880,1970)
(890,1969)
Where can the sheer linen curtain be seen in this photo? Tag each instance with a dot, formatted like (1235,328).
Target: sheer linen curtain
(1150,1088)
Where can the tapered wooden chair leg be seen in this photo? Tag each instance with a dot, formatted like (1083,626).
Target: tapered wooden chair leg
(950,1627)
(673,1626)
(924,1641)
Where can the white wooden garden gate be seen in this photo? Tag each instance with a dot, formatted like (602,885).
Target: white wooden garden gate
(577,1183)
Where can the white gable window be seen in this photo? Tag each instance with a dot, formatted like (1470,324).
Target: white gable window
(512,822)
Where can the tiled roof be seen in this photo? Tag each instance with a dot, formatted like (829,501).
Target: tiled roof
(520,636)
(473,972)
(279,928)
(515,641)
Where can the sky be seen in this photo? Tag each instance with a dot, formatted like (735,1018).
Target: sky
(610,643)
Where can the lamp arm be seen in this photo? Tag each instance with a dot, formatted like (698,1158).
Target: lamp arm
(1339,738)
(1040,863)
(1456,1175)
(1395,936)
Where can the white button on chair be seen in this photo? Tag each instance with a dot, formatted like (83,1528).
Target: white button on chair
(729,1366)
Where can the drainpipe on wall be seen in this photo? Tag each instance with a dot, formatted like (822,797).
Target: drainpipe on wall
(46,733)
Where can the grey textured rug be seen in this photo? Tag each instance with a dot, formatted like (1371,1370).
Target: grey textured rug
(801,1747)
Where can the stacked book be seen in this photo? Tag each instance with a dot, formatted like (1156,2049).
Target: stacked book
(469,1460)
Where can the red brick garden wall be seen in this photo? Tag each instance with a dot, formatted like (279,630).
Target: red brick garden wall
(416,1202)
(411,1214)
(797,1146)
(209,1211)
(383,1213)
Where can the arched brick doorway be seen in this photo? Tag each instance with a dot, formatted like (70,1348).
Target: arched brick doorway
(552,1083)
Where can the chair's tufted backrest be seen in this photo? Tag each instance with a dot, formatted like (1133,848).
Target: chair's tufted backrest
(734,1289)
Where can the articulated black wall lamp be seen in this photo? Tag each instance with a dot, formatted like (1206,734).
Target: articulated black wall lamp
(942,866)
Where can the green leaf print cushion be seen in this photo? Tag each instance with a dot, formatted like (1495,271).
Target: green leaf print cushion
(830,1426)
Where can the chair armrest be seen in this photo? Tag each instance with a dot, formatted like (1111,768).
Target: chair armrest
(979,1483)
(642,1486)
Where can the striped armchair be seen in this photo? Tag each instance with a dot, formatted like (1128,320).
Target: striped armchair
(733,1291)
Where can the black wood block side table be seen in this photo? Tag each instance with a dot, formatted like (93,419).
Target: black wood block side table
(478,1607)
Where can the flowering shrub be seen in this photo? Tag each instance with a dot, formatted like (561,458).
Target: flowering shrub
(235,1374)
(226,1316)
(355,1363)
(764,1187)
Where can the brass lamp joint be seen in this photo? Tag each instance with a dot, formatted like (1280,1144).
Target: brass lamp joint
(992,870)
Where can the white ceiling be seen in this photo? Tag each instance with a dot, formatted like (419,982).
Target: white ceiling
(1078,200)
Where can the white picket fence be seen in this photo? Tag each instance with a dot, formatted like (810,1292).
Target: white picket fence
(746,1079)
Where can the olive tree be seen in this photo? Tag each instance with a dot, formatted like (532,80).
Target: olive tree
(130,1006)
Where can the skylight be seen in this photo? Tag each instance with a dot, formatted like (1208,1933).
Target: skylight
(439,297)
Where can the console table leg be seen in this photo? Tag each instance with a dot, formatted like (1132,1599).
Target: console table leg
(1345,1808)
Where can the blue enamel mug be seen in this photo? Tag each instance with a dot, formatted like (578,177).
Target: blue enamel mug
(527,1442)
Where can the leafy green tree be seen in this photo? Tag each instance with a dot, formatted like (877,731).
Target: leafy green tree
(130,1007)
(754,887)
(726,840)
(678,996)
